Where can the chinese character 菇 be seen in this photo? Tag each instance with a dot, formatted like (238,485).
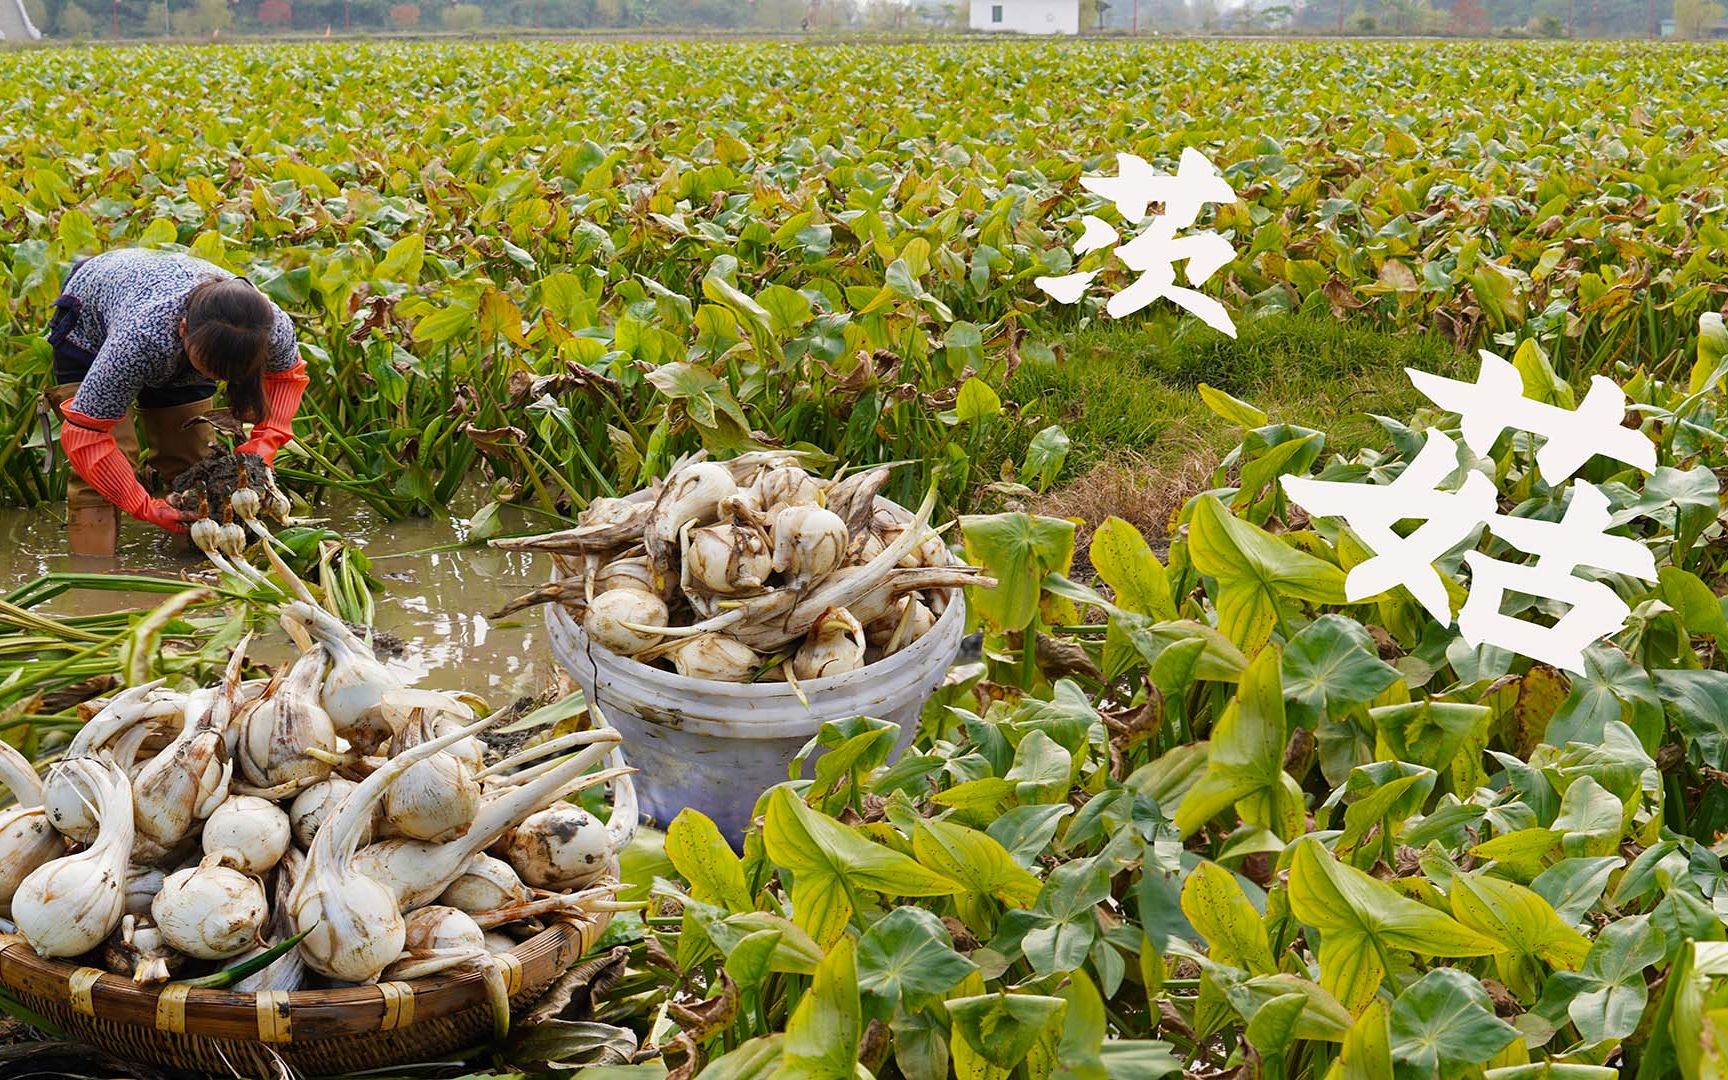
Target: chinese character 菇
(1579,538)
(1495,403)
(1448,517)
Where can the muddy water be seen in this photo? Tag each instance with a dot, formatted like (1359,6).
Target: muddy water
(435,601)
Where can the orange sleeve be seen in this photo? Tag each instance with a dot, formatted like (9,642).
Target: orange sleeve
(282,393)
(94,455)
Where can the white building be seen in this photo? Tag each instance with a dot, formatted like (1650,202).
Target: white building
(1027,16)
(15,22)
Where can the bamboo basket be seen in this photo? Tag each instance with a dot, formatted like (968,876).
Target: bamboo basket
(316,1032)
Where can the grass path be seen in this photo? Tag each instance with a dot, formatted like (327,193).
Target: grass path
(1142,439)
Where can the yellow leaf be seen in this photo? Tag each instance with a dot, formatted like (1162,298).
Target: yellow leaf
(707,862)
(403,261)
(1235,410)
(1126,563)
(1214,903)
(202,192)
(1367,1050)
(1350,969)
(500,317)
(1360,918)
(1519,918)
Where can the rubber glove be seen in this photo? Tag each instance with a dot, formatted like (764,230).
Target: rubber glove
(92,451)
(282,393)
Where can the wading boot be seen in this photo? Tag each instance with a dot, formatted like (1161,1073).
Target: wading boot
(92,522)
(179,438)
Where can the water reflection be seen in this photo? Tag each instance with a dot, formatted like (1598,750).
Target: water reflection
(435,602)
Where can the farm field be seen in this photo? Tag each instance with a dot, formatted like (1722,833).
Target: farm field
(496,211)
(1193,811)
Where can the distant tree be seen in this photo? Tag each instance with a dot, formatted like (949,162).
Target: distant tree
(1363,22)
(1469,17)
(775,14)
(203,18)
(405,16)
(276,14)
(1549,26)
(1165,16)
(1206,14)
(1693,19)
(74,22)
(463,17)
(885,14)
(38,12)
(364,12)
(1407,16)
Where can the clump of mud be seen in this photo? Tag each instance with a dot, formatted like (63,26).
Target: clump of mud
(385,645)
(216,478)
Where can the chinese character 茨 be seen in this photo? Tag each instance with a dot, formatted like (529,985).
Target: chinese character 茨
(1154,253)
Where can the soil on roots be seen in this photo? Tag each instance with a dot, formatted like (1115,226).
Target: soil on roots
(216,478)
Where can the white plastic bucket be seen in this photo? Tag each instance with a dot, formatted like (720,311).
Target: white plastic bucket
(716,747)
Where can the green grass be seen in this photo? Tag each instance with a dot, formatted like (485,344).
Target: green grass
(1123,392)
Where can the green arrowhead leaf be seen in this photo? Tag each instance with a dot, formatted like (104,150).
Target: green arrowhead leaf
(908,954)
(1019,551)
(830,862)
(1609,999)
(1443,1023)
(1257,574)
(822,1035)
(1245,765)
(1330,665)
(1001,1028)
(1362,920)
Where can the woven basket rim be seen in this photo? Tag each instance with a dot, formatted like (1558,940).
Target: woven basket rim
(182,1009)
